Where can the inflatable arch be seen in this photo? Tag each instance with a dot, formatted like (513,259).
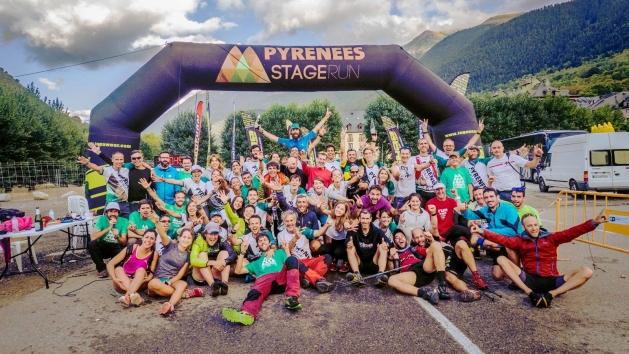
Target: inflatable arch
(117,122)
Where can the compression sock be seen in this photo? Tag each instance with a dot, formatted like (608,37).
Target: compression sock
(441,276)
(420,292)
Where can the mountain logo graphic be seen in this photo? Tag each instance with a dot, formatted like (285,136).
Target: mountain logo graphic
(243,67)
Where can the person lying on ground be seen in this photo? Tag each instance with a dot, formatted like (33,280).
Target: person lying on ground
(133,268)
(538,277)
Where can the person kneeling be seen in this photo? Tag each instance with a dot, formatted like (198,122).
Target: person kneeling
(538,277)
(276,273)
(132,269)
(211,258)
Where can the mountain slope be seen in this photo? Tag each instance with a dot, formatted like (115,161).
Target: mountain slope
(560,36)
(422,43)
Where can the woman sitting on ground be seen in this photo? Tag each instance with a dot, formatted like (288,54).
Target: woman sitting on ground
(211,258)
(172,268)
(133,268)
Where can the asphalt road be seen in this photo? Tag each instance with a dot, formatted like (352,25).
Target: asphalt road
(348,320)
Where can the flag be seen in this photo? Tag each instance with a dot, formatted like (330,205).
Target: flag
(253,134)
(395,139)
(197,130)
(209,131)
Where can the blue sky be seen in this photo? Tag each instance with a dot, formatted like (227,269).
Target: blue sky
(43,34)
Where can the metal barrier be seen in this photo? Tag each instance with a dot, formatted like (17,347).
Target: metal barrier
(618,220)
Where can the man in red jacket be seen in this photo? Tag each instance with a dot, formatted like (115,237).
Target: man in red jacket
(538,253)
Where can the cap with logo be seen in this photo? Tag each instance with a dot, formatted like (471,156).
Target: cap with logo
(112,206)
(212,228)
(294,126)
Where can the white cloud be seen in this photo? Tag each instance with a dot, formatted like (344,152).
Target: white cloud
(375,21)
(84,114)
(228,4)
(50,84)
(68,31)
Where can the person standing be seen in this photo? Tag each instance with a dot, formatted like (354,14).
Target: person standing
(164,170)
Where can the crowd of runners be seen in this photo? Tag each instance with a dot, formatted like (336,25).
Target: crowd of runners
(283,224)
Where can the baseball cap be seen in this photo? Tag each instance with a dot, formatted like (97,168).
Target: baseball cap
(196,167)
(474,147)
(212,227)
(215,213)
(438,185)
(294,126)
(354,168)
(454,153)
(112,205)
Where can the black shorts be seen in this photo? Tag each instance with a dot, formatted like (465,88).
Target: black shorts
(422,278)
(368,267)
(495,254)
(456,265)
(197,282)
(541,284)
(457,233)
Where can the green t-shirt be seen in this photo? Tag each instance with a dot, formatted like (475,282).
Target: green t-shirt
(140,224)
(176,224)
(458,179)
(103,223)
(263,265)
(526,209)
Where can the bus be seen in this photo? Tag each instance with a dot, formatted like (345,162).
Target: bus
(538,138)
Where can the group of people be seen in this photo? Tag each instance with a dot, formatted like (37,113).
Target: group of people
(284,224)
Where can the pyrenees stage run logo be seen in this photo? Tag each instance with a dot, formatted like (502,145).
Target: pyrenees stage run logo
(246,67)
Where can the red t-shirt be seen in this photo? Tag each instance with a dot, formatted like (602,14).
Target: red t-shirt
(313,172)
(445,213)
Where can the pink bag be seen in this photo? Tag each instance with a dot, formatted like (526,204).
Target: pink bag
(24,223)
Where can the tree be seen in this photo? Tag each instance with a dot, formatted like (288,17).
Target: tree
(150,145)
(178,136)
(388,107)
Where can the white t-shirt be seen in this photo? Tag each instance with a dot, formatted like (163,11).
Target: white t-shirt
(195,189)
(478,172)
(372,172)
(117,184)
(253,167)
(333,193)
(301,250)
(406,183)
(334,165)
(331,232)
(428,174)
(506,172)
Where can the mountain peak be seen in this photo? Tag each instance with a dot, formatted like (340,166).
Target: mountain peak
(422,43)
(499,19)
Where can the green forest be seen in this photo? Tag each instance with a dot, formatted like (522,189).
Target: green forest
(552,38)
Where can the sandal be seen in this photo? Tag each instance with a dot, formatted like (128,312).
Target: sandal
(166,308)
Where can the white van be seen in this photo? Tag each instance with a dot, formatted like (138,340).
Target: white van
(597,161)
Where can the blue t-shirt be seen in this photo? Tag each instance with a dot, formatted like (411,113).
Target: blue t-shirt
(301,143)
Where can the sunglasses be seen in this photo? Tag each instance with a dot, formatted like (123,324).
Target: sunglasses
(136,158)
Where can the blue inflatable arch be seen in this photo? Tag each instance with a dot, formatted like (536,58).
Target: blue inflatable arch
(117,122)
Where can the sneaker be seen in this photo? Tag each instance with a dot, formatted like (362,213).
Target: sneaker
(333,267)
(324,286)
(224,287)
(103,274)
(235,316)
(166,308)
(344,268)
(196,292)
(479,282)
(443,291)
(543,301)
(136,299)
(470,295)
(124,300)
(215,289)
(355,278)
(431,296)
(249,279)
(382,280)
(292,303)
(304,283)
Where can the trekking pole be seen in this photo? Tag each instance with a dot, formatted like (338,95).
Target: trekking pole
(374,275)
(468,282)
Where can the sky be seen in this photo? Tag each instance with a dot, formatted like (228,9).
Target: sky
(39,35)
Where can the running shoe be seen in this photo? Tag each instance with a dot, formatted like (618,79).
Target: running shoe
(123,300)
(224,287)
(215,289)
(470,295)
(382,280)
(166,308)
(249,279)
(355,278)
(304,283)
(543,301)
(431,296)
(235,316)
(534,297)
(136,299)
(443,291)
(479,282)
(292,303)
(196,292)
(103,274)
(344,268)
(333,267)
(323,286)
